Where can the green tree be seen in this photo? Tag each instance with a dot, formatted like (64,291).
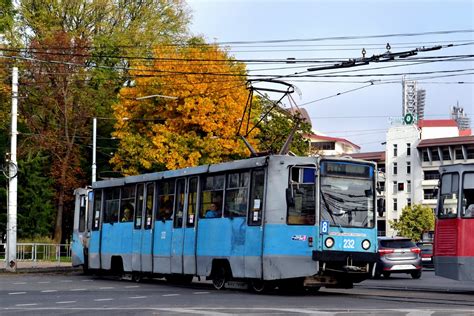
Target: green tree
(414,221)
(35,198)
(78,53)
(277,125)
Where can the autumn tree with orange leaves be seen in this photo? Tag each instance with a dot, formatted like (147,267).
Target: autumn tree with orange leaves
(197,126)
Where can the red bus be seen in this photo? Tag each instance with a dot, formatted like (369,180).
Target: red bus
(454,232)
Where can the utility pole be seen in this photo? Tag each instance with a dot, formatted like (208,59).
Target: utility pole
(13,183)
(94,148)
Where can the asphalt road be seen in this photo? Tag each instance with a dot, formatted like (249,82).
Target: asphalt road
(77,294)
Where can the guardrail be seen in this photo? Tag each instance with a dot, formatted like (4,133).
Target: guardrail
(39,252)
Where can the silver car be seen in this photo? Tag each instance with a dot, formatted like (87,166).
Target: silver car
(398,255)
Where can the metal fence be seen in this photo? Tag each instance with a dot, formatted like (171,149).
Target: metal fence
(39,252)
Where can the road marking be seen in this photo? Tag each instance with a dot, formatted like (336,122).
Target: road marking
(44,282)
(66,302)
(171,294)
(48,291)
(132,286)
(133,297)
(103,299)
(87,280)
(30,304)
(197,293)
(15,293)
(19,283)
(106,288)
(77,290)
(64,281)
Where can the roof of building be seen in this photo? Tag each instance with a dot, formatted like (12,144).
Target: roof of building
(331,139)
(372,156)
(459,140)
(437,123)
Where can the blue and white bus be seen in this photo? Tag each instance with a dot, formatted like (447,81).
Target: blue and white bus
(269,221)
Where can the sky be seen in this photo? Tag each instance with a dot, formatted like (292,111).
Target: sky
(363,115)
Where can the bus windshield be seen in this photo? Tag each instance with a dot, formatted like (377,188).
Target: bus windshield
(347,199)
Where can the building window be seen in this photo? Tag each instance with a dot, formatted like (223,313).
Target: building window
(435,154)
(458,153)
(395,168)
(426,157)
(431,175)
(395,150)
(470,151)
(395,205)
(408,186)
(409,202)
(395,187)
(408,149)
(429,194)
(323,145)
(401,186)
(408,167)
(446,155)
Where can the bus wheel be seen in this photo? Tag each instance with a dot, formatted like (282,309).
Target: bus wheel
(219,277)
(386,275)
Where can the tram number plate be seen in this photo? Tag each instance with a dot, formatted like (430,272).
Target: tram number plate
(349,244)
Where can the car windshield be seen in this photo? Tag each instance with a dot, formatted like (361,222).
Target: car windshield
(347,201)
(396,243)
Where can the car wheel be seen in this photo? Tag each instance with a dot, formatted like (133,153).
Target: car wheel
(416,274)
(386,275)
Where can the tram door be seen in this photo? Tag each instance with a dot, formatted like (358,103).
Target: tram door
(254,232)
(189,243)
(80,228)
(177,242)
(164,227)
(142,232)
(138,229)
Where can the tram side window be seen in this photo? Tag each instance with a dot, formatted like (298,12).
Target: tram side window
(165,200)
(212,196)
(90,210)
(127,203)
(180,198)
(192,203)
(150,198)
(82,213)
(301,196)
(97,209)
(468,195)
(448,199)
(139,210)
(256,198)
(236,194)
(112,203)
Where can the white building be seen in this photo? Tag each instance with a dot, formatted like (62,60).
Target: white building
(330,146)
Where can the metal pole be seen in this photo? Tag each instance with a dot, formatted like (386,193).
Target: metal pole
(13,184)
(94,148)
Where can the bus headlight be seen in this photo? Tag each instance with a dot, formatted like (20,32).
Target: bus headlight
(329,242)
(365,244)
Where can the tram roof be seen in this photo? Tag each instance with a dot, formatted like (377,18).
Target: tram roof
(211,168)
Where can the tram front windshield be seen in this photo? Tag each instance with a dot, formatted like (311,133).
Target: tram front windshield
(347,194)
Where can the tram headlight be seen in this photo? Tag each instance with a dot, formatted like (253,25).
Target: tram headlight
(365,244)
(329,242)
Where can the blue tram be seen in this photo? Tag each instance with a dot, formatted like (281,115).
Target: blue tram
(269,221)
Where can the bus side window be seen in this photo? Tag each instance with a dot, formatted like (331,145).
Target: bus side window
(257,187)
(97,209)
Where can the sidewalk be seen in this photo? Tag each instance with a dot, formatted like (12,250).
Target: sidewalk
(39,266)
